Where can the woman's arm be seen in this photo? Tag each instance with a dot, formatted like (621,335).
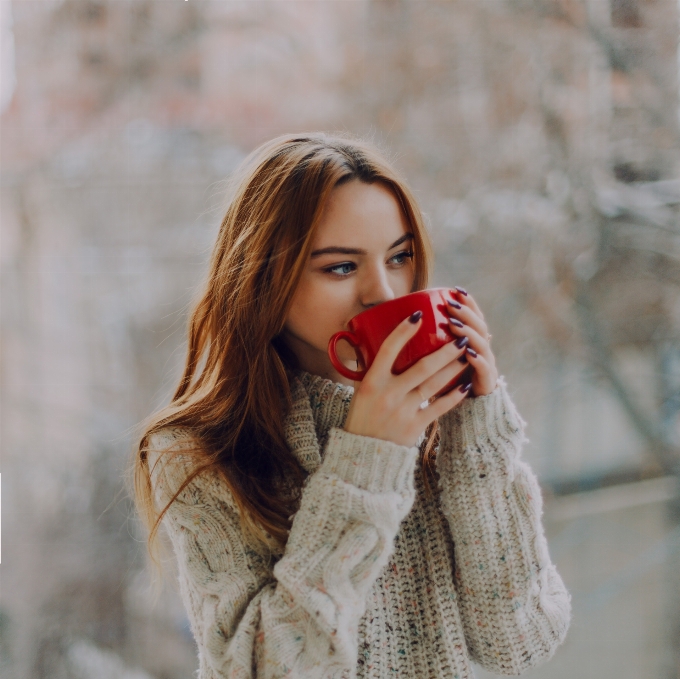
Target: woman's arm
(301,619)
(514,606)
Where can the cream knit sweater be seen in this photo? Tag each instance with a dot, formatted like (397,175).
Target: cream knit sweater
(377,580)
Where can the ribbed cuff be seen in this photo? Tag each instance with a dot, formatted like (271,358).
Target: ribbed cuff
(370,464)
(484,418)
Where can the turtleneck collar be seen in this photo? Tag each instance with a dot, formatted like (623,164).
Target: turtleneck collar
(318,404)
(329,401)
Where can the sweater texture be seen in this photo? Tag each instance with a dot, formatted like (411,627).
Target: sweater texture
(377,579)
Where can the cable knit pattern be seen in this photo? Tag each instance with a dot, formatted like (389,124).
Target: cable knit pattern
(513,603)
(367,585)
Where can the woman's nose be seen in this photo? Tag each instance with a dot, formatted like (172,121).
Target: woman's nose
(376,288)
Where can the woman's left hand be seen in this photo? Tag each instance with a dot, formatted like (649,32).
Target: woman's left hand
(467,320)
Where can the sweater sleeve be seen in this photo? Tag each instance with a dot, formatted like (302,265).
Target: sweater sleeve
(299,619)
(514,606)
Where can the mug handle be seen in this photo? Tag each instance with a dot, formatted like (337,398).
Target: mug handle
(337,364)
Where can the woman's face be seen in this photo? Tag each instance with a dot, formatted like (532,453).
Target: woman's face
(361,256)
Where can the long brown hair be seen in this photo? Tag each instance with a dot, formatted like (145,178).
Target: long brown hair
(234,394)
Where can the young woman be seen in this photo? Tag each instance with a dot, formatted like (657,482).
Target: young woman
(330,529)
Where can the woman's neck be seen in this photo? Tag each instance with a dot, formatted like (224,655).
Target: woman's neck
(314,362)
(325,370)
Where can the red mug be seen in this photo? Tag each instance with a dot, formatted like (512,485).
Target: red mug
(369,329)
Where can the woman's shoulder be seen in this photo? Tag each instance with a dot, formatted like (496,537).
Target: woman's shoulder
(169,439)
(174,449)
(173,455)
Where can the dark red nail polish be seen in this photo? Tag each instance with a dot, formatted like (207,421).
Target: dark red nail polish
(462,341)
(415,316)
(463,358)
(462,291)
(456,322)
(454,304)
(472,352)
(466,388)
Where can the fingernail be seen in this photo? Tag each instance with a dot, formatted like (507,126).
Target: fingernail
(466,388)
(415,316)
(462,341)
(462,291)
(456,322)
(454,304)
(462,358)
(472,352)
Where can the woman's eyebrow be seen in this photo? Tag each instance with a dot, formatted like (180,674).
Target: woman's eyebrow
(335,250)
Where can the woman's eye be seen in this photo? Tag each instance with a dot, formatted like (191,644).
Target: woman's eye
(346,268)
(406,254)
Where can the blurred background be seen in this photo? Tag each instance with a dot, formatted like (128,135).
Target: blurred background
(541,137)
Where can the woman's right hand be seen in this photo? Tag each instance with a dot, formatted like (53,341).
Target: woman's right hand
(387,406)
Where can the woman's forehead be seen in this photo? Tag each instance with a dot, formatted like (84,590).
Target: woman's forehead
(359,211)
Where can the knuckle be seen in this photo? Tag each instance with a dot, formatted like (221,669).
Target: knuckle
(386,346)
(433,362)
(429,365)
(367,386)
(456,367)
(450,352)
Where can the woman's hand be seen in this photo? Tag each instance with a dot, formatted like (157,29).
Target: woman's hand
(467,320)
(387,406)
